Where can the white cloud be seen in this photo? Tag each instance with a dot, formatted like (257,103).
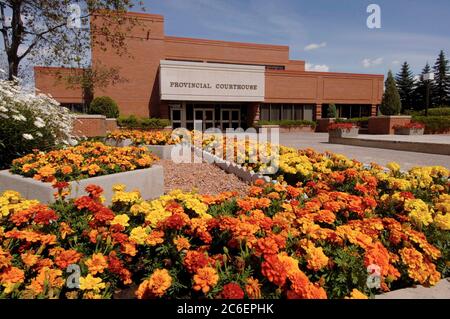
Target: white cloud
(368,63)
(395,62)
(317,67)
(315,46)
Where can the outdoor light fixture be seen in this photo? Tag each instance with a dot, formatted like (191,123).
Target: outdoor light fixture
(428,77)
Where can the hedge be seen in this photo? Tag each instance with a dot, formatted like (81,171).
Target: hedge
(289,123)
(434,124)
(438,111)
(143,123)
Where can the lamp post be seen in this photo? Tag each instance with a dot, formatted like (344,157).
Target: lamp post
(428,77)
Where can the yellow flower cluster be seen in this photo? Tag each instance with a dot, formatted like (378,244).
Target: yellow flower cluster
(11,202)
(418,212)
(123,197)
(442,209)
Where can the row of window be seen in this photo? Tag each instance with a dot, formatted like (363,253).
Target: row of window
(277,112)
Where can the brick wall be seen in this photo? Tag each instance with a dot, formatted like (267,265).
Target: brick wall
(385,124)
(93,125)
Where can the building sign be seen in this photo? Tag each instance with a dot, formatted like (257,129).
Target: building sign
(193,81)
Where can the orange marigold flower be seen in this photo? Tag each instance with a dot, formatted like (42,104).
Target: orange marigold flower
(156,285)
(205,279)
(46,279)
(67,257)
(29,259)
(419,269)
(156,237)
(274,270)
(66,169)
(5,258)
(253,288)
(316,259)
(232,291)
(96,264)
(94,191)
(195,260)
(245,204)
(11,277)
(182,243)
(302,288)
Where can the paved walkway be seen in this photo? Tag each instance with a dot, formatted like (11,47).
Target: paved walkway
(407,160)
(437,139)
(440,291)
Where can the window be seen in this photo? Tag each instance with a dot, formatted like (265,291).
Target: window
(277,112)
(74,107)
(275,67)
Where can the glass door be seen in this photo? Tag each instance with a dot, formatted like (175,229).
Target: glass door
(206,116)
(230,118)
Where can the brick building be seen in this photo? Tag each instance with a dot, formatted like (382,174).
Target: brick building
(225,84)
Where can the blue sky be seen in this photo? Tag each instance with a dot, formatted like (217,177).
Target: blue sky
(411,30)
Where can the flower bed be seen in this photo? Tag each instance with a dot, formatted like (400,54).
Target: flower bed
(413,128)
(82,161)
(316,240)
(338,130)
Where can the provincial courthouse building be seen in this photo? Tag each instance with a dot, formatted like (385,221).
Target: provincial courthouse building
(225,84)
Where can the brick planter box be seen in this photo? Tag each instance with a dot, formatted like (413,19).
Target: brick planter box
(384,125)
(322,124)
(149,181)
(409,131)
(343,132)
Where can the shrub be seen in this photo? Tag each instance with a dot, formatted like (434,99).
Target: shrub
(434,124)
(289,123)
(356,120)
(104,105)
(391,103)
(30,121)
(438,111)
(143,123)
(332,111)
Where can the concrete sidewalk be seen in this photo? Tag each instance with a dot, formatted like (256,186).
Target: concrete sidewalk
(440,291)
(407,160)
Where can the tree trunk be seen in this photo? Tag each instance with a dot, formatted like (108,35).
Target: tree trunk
(13,70)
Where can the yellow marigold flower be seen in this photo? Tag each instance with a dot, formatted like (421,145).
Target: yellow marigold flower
(393,166)
(356,294)
(119,187)
(96,264)
(138,235)
(121,220)
(182,243)
(205,279)
(419,269)
(126,197)
(140,208)
(91,283)
(12,277)
(418,212)
(442,221)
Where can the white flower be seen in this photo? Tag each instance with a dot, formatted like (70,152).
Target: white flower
(39,134)
(39,123)
(27,136)
(19,117)
(3,109)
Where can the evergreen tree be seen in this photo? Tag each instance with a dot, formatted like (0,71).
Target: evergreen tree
(421,89)
(441,89)
(391,103)
(405,85)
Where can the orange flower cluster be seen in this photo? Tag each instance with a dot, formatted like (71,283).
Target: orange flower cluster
(139,137)
(82,161)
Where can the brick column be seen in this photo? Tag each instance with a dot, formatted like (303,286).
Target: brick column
(374,109)
(318,111)
(252,114)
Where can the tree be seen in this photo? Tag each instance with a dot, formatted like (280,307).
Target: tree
(332,111)
(53,32)
(391,103)
(441,88)
(421,89)
(405,85)
(95,76)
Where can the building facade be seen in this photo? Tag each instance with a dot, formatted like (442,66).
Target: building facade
(225,84)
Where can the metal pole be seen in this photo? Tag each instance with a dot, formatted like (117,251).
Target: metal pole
(427,98)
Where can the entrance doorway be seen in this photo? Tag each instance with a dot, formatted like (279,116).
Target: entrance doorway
(206,116)
(230,118)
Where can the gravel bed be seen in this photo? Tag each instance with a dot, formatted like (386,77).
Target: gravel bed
(203,178)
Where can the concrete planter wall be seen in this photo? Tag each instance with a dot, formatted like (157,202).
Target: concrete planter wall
(230,167)
(409,131)
(162,151)
(117,143)
(149,181)
(342,132)
(384,125)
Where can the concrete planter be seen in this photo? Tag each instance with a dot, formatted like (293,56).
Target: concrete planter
(409,131)
(162,151)
(384,125)
(343,132)
(121,143)
(149,181)
(231,167)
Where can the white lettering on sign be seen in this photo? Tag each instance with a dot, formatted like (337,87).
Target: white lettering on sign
(193,81)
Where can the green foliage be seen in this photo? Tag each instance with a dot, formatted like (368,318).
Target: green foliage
(355,120)
(434,124)
(332,111)
(289,123)
(391,103)
(104,105)
(405,84)
(142,123)
(437,111)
